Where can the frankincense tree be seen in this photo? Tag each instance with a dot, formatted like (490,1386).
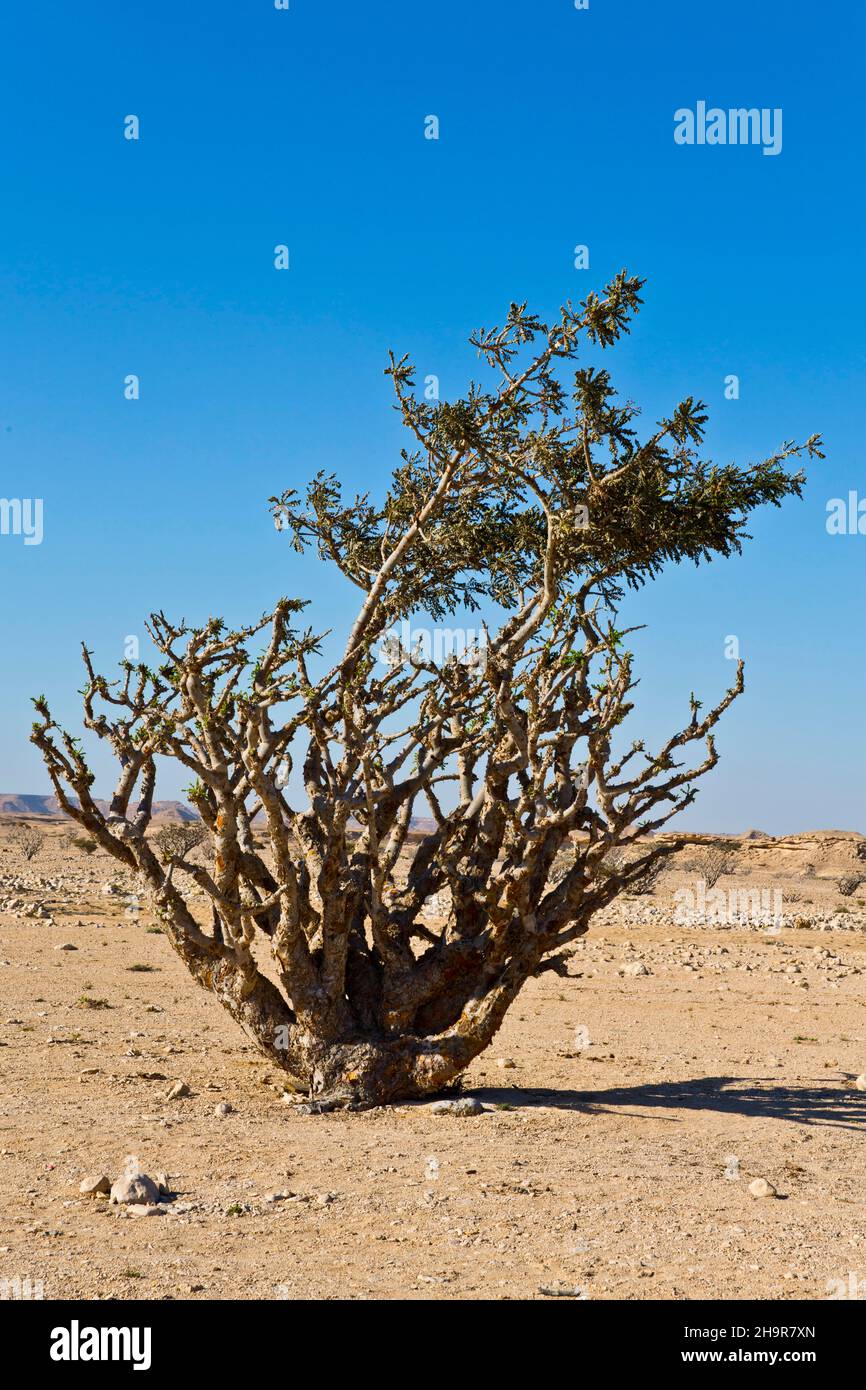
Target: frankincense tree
(536,498)
(28,840)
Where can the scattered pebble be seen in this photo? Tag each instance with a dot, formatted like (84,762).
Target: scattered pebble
(759,1187)
(95,1186)
(466,1105)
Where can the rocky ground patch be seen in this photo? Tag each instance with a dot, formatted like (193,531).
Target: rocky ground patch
(682,1117)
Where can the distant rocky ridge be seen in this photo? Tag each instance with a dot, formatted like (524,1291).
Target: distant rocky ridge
(21,804)
(763,850)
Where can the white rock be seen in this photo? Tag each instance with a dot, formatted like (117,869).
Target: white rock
(759,1187)
(134,1189)
(94,1186)
(860,1083)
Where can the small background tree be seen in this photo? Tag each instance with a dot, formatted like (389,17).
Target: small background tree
(535,496)
(28,840)
(82,843)
(713,863)
(176,842)
(646,884)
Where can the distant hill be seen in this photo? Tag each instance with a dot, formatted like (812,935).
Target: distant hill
(21,804)
(847,842)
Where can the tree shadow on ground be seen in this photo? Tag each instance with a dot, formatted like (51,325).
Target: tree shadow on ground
(815,1103)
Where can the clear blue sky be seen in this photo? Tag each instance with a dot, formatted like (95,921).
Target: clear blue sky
(306,127)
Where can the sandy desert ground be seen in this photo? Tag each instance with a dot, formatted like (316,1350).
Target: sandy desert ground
(627,1110)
